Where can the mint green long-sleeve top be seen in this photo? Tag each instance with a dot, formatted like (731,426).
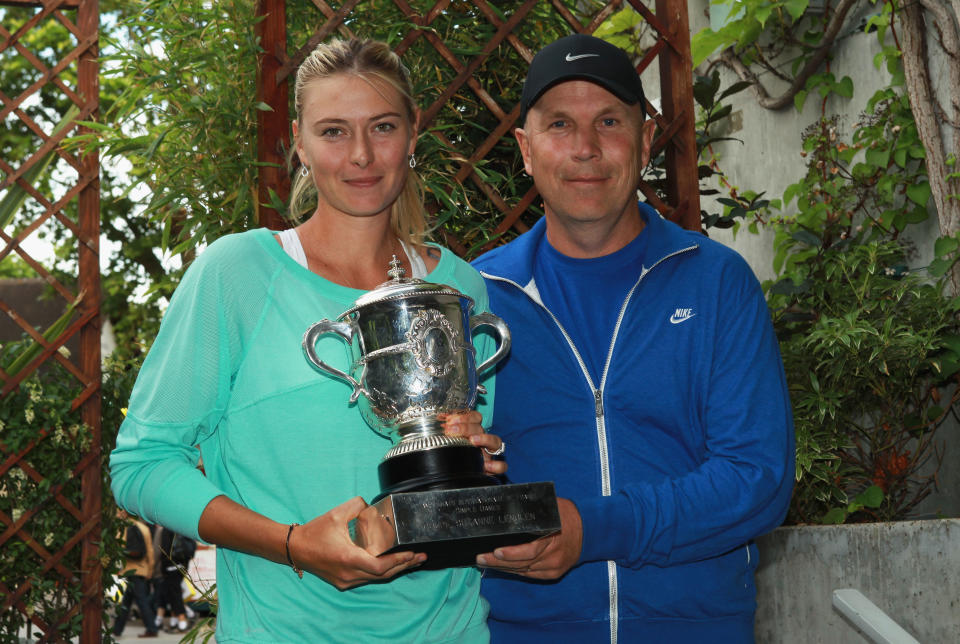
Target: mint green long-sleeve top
(227,374)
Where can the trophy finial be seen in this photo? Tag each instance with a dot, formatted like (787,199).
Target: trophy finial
(396,270)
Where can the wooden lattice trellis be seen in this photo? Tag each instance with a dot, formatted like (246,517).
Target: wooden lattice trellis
(676,119)
(79,18)
(74,206)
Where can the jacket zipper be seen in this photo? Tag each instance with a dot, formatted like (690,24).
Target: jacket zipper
(605,484)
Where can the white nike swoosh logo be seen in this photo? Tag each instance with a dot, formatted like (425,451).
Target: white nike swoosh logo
(683,318)
(570,58)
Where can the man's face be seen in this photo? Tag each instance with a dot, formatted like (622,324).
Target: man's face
(585,149)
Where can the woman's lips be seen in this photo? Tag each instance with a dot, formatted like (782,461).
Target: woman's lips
(363,182)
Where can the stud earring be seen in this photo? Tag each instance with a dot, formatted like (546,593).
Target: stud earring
(412,161)
(304,171)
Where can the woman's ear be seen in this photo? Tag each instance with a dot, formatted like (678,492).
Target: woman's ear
(415,132)
(296,142)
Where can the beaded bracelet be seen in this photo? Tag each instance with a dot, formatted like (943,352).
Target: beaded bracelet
(289,558)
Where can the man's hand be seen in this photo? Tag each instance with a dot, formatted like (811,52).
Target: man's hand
(549,557)
(467,423)
(324,548)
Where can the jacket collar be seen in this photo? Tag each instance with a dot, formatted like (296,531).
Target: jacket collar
(514,261)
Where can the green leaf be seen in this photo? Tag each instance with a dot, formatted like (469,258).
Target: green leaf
(835,516)
(779,258)
(916,215)
(799,99)
(919,193)
(900,157)
(806,237)
(844,87)
(945,245)
(762,13)
(791,192)
(156,143)
(706,42)
(938,267)
(735,89)
(879,157)
(872,497)
(796,7)
(749,31)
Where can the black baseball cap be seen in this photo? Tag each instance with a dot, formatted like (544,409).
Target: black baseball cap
(581,57)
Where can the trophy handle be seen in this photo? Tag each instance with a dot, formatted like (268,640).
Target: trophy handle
(489,319)
(342,329)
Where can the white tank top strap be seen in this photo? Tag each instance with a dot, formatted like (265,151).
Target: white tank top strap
(290,241)
(417,264)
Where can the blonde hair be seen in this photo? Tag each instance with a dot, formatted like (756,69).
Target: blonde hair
(366,59)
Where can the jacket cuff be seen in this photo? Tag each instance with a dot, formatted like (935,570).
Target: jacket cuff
(609,527)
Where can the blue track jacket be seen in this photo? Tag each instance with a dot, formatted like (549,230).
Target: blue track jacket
(677,459)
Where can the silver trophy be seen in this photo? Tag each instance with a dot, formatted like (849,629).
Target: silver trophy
(411,361)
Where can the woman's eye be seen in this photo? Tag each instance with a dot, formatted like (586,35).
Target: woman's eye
(385,127)
(331,132)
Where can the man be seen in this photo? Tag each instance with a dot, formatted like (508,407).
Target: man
(644,379)
(138,551)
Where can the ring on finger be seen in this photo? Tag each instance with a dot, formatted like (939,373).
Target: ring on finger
(497,452)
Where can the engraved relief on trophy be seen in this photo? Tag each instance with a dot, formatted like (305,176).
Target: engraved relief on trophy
(434,342)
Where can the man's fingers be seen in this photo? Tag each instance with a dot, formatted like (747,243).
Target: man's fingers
(463,423)
(496,468)
(522,555)
(490,442)
(523,551)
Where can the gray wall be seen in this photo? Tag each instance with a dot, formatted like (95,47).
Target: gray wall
(909,569)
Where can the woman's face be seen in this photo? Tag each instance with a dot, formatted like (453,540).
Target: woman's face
(355,136)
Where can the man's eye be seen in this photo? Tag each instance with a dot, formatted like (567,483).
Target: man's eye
(609,122)
(558,124)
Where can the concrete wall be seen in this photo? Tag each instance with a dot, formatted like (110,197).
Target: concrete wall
(909,569)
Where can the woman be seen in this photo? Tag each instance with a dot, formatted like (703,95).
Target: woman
(281,447)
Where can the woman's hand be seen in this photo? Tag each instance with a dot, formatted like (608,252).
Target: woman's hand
(467,423)
(324,547)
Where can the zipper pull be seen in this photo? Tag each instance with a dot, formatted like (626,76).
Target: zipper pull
(598,401)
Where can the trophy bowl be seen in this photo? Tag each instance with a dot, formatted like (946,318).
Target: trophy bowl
(412,360)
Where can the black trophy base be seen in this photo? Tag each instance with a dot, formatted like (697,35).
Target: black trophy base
(441,468)
(453,526)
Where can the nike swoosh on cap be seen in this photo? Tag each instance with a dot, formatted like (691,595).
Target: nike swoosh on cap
(570,58)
